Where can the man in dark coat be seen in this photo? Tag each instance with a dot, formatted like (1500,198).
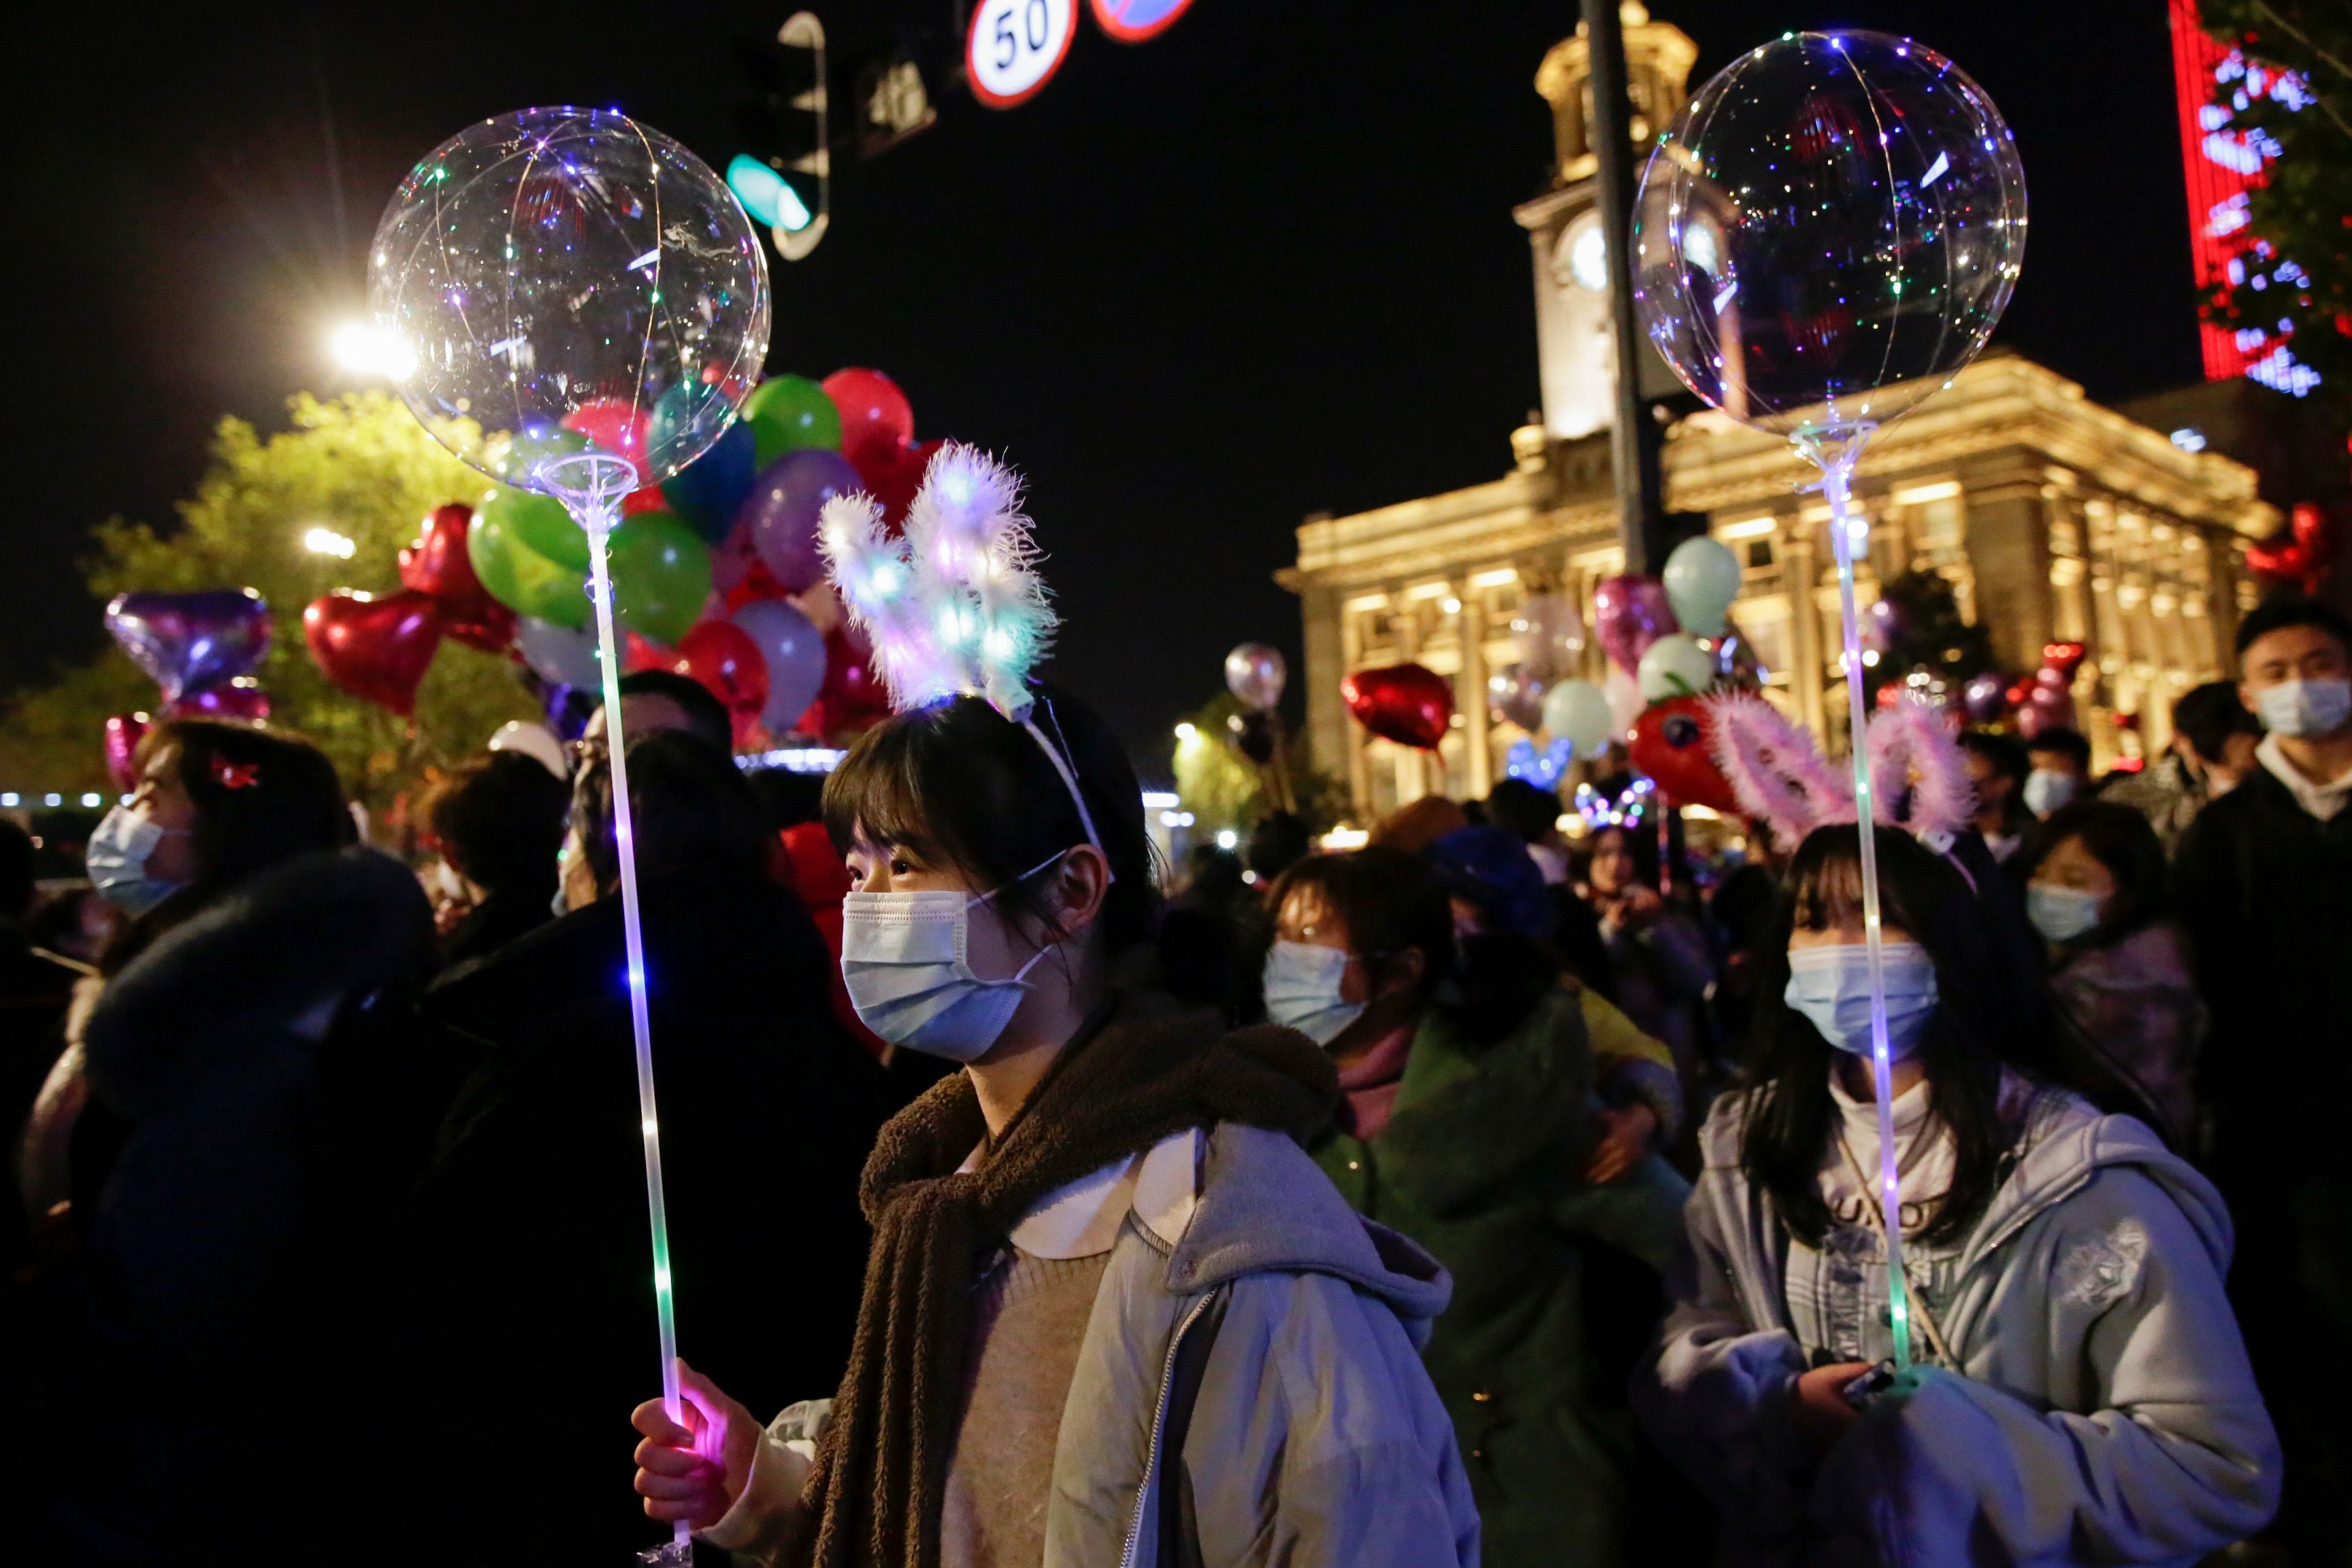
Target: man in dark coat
(2266,885)
(530,1259)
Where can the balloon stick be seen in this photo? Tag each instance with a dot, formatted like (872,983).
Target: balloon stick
(1835,451)
(591,486)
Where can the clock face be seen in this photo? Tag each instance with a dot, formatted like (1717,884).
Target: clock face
(1581,259)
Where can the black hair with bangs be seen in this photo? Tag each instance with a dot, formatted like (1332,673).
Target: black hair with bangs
(960,784)
(1992,1011)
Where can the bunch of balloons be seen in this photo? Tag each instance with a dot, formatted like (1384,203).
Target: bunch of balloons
(1670,640)
(200,649)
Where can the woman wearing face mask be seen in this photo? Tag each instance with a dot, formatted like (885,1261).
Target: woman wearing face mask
(221,1124)
(2095,891)
(1657,950)
(2081,1393)
(1113,1313)
(1478,1119)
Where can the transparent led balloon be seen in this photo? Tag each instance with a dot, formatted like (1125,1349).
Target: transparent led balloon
(585,303)
(1828,230)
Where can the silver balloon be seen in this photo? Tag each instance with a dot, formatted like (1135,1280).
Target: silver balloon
(1256,674)
(1518,696)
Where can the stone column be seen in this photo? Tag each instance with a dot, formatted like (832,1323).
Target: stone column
(2009,555)
(1801,571)
(1470,697)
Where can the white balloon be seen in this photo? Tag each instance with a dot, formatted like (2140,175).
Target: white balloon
(1625,703)
(564,655)
(1702,579)
(536,742)
(1578,712)
(1675,666)
(794,650)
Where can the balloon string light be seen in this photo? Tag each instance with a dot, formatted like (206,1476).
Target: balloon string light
(1835,452)
(591,486)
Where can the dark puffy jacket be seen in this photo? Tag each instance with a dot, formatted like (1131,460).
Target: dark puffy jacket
(529,1263)
(252,1059)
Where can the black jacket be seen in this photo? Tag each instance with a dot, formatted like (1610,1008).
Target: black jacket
(2266,890)
(248,1058)
(532,1327)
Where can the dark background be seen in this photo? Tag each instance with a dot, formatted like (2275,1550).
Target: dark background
(1196,288)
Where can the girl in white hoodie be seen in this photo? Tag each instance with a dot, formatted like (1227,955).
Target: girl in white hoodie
(2081,1393)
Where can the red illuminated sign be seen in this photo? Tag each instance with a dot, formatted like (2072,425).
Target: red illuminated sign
(2225,162)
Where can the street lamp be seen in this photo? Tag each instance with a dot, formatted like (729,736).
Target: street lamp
(327,541)
(364,349)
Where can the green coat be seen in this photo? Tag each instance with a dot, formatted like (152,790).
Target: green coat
(1478,1162)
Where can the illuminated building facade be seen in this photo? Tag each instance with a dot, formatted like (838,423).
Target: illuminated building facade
(2054,518)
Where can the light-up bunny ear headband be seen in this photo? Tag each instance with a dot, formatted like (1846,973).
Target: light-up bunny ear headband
(954,606)
(1919,778)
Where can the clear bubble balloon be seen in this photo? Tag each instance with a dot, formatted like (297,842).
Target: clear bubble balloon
(1828,231)
(583,303)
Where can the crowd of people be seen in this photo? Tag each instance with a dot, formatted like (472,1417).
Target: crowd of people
(1482,1193)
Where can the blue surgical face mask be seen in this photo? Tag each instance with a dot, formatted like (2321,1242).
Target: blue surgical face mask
(2300,707)
(2046,790)
(904,961)
(2061,914)
(117,855)
(1831,986)
(1302,991)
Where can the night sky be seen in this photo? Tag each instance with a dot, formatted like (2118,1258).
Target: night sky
(1260,266)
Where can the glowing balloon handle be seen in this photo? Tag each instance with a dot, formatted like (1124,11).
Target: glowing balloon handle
(591,486)
(1834,451)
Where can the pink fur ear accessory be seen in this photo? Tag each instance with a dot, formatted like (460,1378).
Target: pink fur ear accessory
(1779,775)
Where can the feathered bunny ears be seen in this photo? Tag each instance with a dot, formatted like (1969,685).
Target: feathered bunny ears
(1918,779)
(955,605)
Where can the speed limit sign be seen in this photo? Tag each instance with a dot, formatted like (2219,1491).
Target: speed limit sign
(1015,46)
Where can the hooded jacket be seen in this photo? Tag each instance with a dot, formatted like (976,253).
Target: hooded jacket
(1313,1436)
(2101,1409)
(1481,1160)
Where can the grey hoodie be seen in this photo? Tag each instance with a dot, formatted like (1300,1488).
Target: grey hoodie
(1316,1436)
(2101,1409)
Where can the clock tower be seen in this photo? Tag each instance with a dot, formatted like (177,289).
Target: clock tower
(1572,325)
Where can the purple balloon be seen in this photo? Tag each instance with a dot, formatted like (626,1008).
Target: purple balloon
(189,641)
(1629,613)
(240,699)
(794,650)
(1985,697)
(782,512)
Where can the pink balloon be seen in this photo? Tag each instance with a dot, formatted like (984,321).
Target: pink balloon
(124,733)
(1630,613)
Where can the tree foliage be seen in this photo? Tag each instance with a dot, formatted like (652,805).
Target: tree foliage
(1223,789)
(358,464)
(2303,212)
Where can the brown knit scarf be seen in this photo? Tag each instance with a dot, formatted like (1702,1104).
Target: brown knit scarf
(1149,1069)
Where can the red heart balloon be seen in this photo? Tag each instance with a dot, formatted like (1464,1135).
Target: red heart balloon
(375,648)
(2281,560)
(1671,744)
(723,657)
(2065,657)
(437,563)
(1407,703)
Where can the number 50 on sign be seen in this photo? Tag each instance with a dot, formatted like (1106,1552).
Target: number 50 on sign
(1015,46)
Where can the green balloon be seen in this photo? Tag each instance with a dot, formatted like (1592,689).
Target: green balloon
(789,413)
(520,577)
(541,525)
(661,576)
